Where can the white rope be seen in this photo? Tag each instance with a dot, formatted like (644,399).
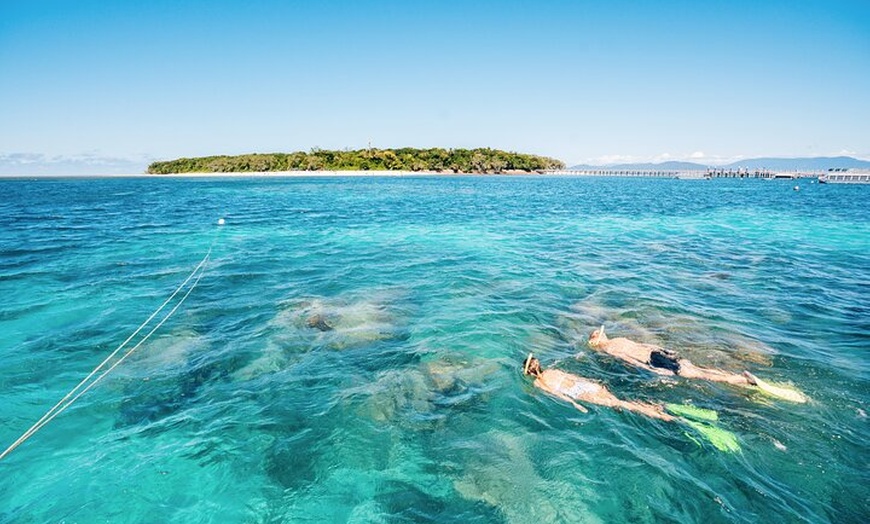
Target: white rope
(66,401)
(124,357)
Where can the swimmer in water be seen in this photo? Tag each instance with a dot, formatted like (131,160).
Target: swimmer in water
(663,361)
(572,388)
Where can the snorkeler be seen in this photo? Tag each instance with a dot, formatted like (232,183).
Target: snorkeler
(667,362)
(660,360)
(572,388)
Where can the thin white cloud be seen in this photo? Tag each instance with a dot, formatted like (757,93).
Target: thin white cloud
(89,163)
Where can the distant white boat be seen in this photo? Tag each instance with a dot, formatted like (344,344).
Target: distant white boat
(841,175)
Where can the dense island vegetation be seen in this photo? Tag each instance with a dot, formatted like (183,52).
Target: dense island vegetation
(482,160)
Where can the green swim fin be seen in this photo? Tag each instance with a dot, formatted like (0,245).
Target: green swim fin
(721,439)
(692,412)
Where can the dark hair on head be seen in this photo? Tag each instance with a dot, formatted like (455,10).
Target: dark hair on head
(528,364)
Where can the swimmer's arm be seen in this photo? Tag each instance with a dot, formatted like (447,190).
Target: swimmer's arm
(657,371)
(576,405)
(644,365)
(630,357)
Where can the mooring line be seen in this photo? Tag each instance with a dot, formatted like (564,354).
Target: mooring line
(117,362)
(74,394)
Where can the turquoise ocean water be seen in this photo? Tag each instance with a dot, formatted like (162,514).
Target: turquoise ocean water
(352,352)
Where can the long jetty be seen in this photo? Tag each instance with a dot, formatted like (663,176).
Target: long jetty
(685,174)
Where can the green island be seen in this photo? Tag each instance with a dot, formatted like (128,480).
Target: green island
(438,160)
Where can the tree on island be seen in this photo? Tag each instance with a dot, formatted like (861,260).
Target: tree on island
(481,160)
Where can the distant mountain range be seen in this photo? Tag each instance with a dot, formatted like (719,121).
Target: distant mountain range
(773,164)
(27,164)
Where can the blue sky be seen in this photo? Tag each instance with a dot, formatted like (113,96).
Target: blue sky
(602,81)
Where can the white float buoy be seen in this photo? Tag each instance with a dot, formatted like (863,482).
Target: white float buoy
(797,188)
(221,221)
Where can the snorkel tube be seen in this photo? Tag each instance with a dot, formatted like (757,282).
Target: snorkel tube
(527,363)
(594,340)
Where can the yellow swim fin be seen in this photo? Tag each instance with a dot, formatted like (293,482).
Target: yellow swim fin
(721,439)
(779,391)
(692,412)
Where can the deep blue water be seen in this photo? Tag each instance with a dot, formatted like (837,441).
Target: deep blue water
(246,407)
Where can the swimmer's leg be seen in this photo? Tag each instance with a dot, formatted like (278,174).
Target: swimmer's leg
(689,370)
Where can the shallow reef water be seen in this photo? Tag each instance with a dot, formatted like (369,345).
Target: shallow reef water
(353,350)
